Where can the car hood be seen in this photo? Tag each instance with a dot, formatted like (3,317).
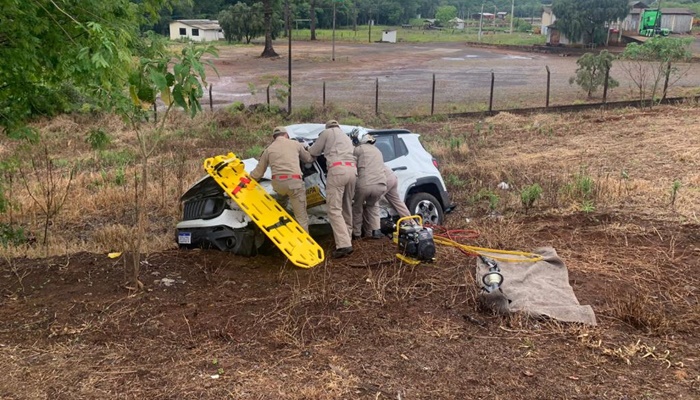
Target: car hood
(206,186)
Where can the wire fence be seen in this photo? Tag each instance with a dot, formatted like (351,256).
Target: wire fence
(419,93)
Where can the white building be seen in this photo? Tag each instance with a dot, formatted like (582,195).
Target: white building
(389,36)
(457,23)
(198,30)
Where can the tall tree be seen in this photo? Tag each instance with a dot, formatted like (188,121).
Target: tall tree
(242,21)
(268,14)
(585,19)
(312,16)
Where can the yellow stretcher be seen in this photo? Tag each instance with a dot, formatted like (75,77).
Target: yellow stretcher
(296,244)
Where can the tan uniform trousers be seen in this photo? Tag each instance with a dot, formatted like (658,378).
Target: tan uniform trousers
(392,196)
(365,209)
(296,192)
(340,189)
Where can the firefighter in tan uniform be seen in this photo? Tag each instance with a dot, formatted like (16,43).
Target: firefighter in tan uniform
(283,157)
(392,193)
(337,147)
(370,186)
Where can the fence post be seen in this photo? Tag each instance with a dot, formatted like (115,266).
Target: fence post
(432,101)
(493,78)
(268,97)
(155,113)
(324,94)
(211,102)
(605,85)
(376,98)
(546,104)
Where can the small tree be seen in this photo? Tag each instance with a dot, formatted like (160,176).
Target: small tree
(647,64)
(178,81)
(445,14)
(591,72)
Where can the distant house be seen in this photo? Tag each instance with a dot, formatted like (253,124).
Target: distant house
(501,15)
(198,30)
(548,19)
(457,23)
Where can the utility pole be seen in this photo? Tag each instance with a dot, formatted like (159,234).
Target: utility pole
(481,20)
(289,61)
(370,25)
(495,16)
(512,15)
(333,30)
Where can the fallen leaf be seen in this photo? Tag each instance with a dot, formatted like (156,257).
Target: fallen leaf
(405,357)
(573,378)
(114,255)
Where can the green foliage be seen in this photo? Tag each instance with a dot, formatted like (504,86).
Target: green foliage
(455,181)
(489,195)
(590,74)
(582,190)
(183,85)
(242,21)
(98,139)
(120,177)
(444,14)
(52,53)
(254,151)
(529,195)
(121,158)
(674,191)
(585,19)
(11,236)
(653,61)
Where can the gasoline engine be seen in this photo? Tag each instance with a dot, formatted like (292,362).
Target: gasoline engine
(415,242)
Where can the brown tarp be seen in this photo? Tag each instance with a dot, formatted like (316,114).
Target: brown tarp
(539,289)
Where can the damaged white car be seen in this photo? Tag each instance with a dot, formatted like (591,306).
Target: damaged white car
(212,220)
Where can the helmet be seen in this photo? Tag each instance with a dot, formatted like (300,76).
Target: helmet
(332,123)
(367,139)
(279,130)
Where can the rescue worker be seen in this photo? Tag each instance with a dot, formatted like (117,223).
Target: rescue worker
(392,193)
(371,185)
(283,157)
(337,147)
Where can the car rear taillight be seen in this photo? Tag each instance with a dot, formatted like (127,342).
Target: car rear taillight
(435,163)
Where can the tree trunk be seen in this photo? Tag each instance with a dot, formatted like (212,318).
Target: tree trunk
(267,13)
(312,13)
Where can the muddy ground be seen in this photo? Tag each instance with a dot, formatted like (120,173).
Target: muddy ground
(405,72)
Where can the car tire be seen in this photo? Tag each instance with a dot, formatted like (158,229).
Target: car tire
(427,206)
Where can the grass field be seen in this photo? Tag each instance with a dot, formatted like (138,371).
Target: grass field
(619,202)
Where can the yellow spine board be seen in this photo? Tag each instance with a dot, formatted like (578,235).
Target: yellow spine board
(296,244)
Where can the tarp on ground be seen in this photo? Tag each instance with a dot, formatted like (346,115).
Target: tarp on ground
(537,289)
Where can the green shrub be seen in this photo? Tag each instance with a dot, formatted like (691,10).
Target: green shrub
(529,195)
(98,139)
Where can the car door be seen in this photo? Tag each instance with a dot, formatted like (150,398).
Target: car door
(395,156)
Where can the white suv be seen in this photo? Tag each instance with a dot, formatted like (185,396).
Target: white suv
(212,220)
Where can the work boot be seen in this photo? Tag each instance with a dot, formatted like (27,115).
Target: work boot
(377,234)
(341,252)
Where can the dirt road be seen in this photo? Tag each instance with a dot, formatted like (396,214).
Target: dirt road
(404,72)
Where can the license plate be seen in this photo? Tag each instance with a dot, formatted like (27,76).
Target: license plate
(184,238)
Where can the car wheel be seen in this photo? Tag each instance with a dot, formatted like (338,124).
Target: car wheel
(427,206)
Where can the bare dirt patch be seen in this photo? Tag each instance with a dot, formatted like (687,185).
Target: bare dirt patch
(404,71)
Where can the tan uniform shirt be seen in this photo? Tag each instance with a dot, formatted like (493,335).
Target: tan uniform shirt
(334,145)
(370,165)
(283,157)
